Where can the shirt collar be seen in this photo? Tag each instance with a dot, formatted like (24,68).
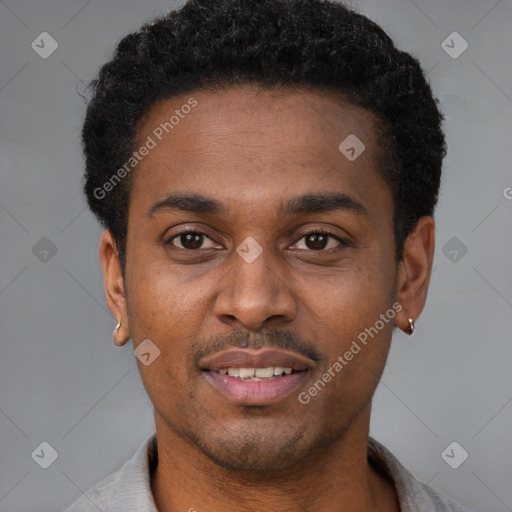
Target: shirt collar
(134,481)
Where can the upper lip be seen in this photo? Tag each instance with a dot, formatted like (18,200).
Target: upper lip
(246,358)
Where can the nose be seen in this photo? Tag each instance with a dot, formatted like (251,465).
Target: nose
(255,294)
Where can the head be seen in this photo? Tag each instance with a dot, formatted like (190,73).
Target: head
(296,127)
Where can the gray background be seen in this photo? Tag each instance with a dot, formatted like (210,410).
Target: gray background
(61,379)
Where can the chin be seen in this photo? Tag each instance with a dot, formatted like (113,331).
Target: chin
(252,449)
(252,457)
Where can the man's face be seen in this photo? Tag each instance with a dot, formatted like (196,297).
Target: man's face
(308,294)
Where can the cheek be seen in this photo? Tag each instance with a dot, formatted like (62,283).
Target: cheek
(351,297)
(162,311)
(155,293)
(166,309)
(346,311)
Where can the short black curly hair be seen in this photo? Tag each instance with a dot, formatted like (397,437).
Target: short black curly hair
(272,44)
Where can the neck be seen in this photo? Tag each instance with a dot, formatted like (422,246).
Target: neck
(337,478)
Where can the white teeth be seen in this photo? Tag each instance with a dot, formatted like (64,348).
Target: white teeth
(264,373)
(234,372)
(246,373)
(256,373)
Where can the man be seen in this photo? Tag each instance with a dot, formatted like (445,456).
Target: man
(266,173)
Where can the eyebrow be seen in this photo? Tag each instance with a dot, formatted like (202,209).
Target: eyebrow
(304,204)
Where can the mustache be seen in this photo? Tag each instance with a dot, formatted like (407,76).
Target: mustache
(265,338)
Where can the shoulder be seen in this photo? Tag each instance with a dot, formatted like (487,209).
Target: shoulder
(128,489)
(433,499)
(102,496)
(413,495)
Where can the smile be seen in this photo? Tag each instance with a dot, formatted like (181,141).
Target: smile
(265,377)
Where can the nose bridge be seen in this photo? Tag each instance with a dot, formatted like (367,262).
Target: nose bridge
(255,291)
(253,270)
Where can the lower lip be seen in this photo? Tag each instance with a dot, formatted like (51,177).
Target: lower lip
(264,392)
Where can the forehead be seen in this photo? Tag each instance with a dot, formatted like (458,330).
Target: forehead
(242,146)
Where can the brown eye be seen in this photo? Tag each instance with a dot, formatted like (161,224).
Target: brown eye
(318,241)
(190,240)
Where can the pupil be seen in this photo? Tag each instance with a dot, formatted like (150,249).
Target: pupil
(192,240)
(317,241)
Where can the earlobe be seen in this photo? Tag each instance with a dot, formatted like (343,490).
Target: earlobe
(119,337)
(414,273)
(114,287)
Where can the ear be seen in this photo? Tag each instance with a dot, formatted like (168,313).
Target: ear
(114,286)
(414,272)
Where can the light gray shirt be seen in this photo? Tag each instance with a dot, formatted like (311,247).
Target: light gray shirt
(129,489)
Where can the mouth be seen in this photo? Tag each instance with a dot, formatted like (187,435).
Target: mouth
(245,377)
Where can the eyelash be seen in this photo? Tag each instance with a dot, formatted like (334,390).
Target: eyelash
(198,231)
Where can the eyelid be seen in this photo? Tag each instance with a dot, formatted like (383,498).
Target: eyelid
(336,232)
